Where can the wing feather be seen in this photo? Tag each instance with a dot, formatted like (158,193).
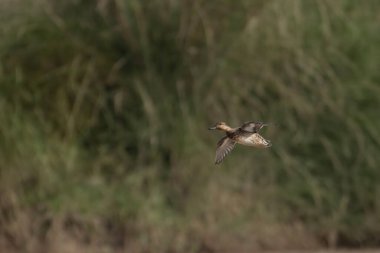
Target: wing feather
(224,147)
(259,141)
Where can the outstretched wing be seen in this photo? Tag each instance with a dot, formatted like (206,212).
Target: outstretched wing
(248,126)
(260,142)
(224,147)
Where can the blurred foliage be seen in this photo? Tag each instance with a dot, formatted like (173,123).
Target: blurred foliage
(105,107)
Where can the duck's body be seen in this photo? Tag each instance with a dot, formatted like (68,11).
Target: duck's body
(246,135)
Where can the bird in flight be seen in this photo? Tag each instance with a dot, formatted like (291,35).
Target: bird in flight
(247,135)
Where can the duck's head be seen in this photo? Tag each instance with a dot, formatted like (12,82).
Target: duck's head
(253,126)
(219,126)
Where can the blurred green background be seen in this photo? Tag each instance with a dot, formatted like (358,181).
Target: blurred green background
(104,110)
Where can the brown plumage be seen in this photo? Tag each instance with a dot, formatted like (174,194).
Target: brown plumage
(246,135)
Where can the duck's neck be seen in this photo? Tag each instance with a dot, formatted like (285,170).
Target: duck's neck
(226,128)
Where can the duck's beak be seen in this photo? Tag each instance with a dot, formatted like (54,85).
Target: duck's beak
(212,128)
(265,124)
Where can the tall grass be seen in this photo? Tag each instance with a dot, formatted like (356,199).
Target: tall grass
(105,107)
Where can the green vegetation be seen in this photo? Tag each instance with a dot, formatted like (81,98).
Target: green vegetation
(105,107)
